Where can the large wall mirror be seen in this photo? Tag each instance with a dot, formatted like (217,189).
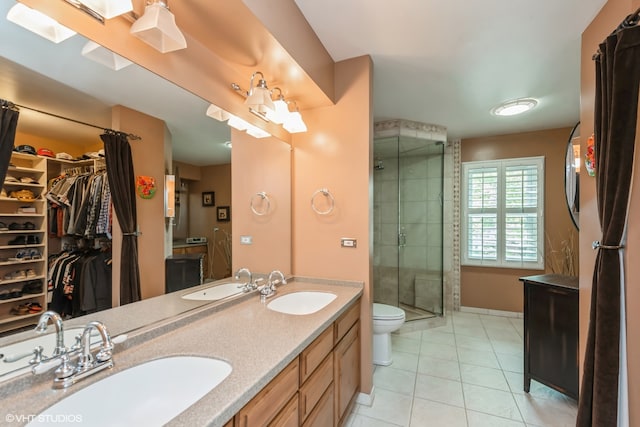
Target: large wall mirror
(572,175)
(56,78)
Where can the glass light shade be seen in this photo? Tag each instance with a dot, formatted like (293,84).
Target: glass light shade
(217,113)
(39,23)
(104,56)
(256,132)
(109,8)
(294,123)
(259,99)
(157,27)
(517,106)
(280,112)
(237,123)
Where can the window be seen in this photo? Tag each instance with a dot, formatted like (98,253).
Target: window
(503,213)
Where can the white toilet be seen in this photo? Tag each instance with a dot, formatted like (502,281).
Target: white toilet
(386,319)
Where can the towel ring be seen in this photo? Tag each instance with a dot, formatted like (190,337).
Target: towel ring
(325,192)
(263,196)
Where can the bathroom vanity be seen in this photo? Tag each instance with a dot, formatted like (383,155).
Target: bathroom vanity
(551,332)
(287,370)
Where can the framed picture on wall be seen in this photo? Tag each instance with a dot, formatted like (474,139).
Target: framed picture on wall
(208,198)
(223,213)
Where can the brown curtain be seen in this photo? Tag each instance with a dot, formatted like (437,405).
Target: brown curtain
(122,184)
(8,123)
(616,112)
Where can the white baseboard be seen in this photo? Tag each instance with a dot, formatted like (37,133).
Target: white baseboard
(366,399)
(502,313)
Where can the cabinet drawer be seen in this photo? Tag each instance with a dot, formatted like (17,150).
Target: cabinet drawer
(322,415)
(288,417)
(314,388)
(346,320)
(313,355)
(266,404)
(346,373)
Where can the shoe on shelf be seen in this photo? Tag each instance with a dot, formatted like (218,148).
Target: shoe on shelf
(30,273)
(3,227)
(15,293)
(19,240)
(28,226)
(34,307)
(21,255)
(34,254)
(16,275)
(4,295)
(33,239)
(16,226)
(32,287)
(20,310)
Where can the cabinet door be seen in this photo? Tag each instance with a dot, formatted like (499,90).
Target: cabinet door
(322,415)
(288,417)
(263,408)
(312,391)
(346,375)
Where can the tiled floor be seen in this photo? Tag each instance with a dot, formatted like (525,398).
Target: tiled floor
(467,373)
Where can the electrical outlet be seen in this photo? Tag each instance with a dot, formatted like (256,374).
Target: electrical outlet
(347,242)
(246,240)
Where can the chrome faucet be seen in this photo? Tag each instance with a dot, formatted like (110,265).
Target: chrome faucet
(66,373)
(247,286)
(57,323)
(269,290)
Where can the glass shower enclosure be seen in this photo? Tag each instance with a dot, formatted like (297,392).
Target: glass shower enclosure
(408,219)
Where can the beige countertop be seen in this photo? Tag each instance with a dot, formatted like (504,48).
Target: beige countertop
(256,341)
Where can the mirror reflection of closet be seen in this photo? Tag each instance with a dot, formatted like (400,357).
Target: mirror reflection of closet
(572,175)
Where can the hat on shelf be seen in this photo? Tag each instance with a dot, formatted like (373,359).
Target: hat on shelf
(64,156)
(10,178)
(45,152)
(23,195)
(28,180)
(25,149)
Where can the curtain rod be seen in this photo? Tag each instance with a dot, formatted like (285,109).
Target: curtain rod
(11,105)
(628,22)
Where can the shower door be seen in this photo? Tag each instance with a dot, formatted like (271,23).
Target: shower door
(408,225)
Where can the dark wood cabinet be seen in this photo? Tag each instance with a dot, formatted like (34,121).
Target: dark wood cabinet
(551,332)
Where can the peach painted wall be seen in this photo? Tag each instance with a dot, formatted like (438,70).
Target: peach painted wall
(499,288)
(606,21)
(336,153)
(202,220)
(261,165)
(148,159)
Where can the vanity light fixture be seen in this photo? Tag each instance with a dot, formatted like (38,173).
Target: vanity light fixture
(217,113)
(39,23)
(294,122)
(256,132)
(259,97)
(104,56)
(237,123)
(108,8)
(513,107)
(157,27)
(280,111)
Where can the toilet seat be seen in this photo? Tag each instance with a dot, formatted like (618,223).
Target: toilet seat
(387,312)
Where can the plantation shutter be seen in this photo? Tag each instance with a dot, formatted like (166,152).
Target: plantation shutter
(482,238)
(521,213)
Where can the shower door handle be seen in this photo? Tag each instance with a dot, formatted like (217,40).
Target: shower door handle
(402,240)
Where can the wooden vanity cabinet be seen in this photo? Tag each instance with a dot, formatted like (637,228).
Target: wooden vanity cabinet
(264,407)
(318,387)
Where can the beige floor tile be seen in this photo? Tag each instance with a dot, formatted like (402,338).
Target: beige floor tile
(448,369)
(477,419)
(394,380)
(545,412)
(474,343)
(476,330)
(438,337)
(412,335)
(439,390)
(427,413)
(440,351)
(404,361)
(490,401)
(357,420)
(478,358)
(406,345)
(503,334)
(482,376)
(514,347)
(496,322)
(536,389)
(388,406)
(510,362)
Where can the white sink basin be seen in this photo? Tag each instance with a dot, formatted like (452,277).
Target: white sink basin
(150,394)
(214,293)
(301,303)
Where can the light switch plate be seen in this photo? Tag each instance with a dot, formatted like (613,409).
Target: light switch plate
(246,240)
(348,242)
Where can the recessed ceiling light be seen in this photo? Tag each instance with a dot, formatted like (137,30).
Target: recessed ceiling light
(516,106)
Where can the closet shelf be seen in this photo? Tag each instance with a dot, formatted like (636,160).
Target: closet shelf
(20,262)
(22,184)
(36,231)
(22,215)
(22,298)
(22,279)
(38,245)
(27,170)
(13,317)
(11,199)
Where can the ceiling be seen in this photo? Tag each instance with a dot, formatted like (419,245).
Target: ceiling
(446,63)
